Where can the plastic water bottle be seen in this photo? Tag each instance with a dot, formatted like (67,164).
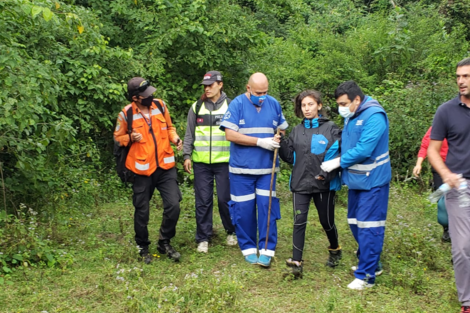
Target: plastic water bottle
(464,198)
(436,195)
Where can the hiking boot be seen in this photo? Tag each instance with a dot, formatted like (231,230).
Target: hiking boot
(465,309)
(203,247)
(334,257)
(264,260)
(445,235)
(359,284)
(232,240)
(145,255)
(378,271)
(296,268)
(252,258)
(164,247)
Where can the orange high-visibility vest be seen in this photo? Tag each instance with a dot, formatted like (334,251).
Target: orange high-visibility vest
(154,150)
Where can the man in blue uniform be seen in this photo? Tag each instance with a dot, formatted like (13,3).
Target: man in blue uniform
(366,170)
(250,124)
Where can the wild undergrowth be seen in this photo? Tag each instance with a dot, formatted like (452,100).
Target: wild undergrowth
(95,268)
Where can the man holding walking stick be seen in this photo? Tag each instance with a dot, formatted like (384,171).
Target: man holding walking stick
(250,125)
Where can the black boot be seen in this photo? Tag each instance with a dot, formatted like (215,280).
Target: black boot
(445,235)
(145,255)
(334,257)
(164,247)
(296,268)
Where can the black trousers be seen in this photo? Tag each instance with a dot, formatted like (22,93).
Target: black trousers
(325,204)
(204,191)
(144,186)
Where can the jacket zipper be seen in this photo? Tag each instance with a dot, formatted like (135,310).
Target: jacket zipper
(210,138)
(154,139)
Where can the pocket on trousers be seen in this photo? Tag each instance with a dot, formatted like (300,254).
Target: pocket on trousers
(276,208)
(138,196)
(232,208)
(377,233)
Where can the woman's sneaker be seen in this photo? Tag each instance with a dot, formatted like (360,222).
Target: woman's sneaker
(296,268)
(232,240)
(203,247)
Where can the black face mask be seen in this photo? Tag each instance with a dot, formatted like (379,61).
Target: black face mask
(147,102)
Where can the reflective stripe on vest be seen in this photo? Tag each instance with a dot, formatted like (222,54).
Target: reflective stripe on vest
(210,144)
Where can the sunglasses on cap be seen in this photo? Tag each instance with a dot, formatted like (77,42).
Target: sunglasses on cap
(143,85)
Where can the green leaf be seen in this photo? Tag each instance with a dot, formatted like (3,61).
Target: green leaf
(47,14)
(19,257)
(50,257)
(35,11)
(6,269)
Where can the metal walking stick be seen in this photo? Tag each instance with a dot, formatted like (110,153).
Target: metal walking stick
(271,194)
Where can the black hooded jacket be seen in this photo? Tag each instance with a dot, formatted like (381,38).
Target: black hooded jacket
(306,149)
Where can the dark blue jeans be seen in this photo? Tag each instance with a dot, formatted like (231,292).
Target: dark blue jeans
(204,175)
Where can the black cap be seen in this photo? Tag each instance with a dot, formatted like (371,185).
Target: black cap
(211,77)
(138,86)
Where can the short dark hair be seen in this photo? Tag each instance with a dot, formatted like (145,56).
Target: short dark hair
(316,95)
(349,88)
(464,62)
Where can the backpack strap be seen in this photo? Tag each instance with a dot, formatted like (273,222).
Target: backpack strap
(130,119)
(198,106)
(161,108)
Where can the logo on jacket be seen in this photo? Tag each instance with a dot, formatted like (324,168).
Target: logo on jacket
(359,122)
(200,120)
(227,115)
(274,123)
(242,122)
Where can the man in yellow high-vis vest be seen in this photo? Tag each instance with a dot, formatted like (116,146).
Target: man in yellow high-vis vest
(206,144)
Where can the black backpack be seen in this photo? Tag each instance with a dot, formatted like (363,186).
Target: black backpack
(120,152)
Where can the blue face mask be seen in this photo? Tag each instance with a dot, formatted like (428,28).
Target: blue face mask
(257,100)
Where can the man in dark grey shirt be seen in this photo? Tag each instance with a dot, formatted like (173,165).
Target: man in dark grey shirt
(452,122)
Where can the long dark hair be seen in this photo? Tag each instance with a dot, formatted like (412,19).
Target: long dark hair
(316,95)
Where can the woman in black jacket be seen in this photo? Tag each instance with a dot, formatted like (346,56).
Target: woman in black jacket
(315,140)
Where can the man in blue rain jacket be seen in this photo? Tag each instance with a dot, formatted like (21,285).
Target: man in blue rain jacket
(366,170)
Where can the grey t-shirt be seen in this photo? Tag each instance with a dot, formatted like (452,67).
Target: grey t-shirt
(452,122)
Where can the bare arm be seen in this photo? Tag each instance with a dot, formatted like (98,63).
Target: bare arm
(240,139)
(417,168)
(438,164)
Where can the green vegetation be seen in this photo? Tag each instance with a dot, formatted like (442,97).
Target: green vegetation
(65,219)
(98,269)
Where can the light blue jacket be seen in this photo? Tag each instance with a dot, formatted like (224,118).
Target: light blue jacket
(365,157)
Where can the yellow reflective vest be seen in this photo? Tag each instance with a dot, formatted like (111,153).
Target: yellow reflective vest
(210,145)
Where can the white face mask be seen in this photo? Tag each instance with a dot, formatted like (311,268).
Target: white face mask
(345,112)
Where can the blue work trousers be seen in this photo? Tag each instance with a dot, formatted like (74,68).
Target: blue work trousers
(367,212)
(248,192)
